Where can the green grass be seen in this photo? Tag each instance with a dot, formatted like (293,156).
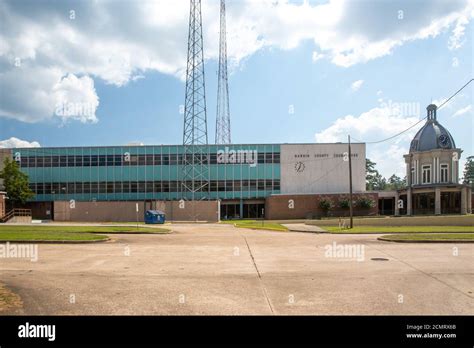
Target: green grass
(67,233)
(429,237)
(80,229)
(49,236)
(400,229)
(257,225)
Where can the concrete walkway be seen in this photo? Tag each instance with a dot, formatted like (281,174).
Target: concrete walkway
(219,269)
(304,228)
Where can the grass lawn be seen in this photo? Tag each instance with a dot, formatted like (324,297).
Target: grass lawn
(429,237)
(257,225)
(49,236)
(400,229)
(67,233)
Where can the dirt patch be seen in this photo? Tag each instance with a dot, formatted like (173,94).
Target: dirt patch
(9,301)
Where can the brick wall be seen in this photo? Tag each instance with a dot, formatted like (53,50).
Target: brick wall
(126,211)
(307,206)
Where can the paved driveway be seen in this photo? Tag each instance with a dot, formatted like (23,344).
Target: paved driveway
(219,269)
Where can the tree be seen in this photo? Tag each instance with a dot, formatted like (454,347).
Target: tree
(395,182)
(15,183)
(469,171)
(373,179)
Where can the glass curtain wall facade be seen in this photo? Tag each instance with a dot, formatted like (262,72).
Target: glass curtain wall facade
(143,172)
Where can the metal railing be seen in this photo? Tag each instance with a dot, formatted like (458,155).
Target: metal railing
(15,212)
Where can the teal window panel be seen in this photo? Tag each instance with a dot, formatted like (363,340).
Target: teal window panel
(126,175)
(165,173)
(102,174)
(133,173)
(213,172)
(141,173)
(150,173)
(94,173)
(174,195)
(253,172)
(237,172)
(110,174)
(158,174)
(55,175)
(276,171)
(174,172)
(173,150)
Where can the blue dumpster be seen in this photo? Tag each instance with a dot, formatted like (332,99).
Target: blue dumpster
(154,217)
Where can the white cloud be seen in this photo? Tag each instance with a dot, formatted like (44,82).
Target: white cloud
(15,143)
(456,39)
(374,125)
(379,93)
(463,111)
(119,41)
(455,63)
(317,56)
(356,85)
(76,98)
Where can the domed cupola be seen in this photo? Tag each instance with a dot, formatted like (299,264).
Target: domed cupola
(432,135)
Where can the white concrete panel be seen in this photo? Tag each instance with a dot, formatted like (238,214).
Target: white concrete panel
(320,168)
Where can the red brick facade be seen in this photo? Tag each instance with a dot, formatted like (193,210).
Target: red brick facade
(279,207)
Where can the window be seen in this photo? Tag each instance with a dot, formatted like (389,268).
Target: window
(276,158)
(412,176)
(444,173)
(426,174)
(269,157)
(173,159)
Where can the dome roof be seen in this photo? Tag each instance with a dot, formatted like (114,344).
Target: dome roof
(432,135)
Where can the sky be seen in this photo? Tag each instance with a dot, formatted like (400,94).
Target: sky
(83,73)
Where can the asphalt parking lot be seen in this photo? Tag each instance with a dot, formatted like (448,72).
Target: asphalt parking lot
(219,269)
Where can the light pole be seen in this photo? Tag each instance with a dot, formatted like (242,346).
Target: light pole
(350,181)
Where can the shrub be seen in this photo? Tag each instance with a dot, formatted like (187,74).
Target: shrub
(325,204)
(365,202)
(344,203)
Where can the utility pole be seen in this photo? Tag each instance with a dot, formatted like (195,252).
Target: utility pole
(350,181)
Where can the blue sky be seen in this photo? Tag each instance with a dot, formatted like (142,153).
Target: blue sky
(345,84)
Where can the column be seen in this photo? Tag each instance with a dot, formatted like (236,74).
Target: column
(469,200)
(409,201)
(464,200)
(397,210)
(437,201)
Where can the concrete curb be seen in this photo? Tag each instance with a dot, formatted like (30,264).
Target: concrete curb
(167,232)
(375,233)
(306,231)
(259,229)
(426,241)
(54,241)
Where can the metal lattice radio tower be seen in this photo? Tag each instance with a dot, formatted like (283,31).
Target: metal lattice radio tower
(223,110)
(195,162)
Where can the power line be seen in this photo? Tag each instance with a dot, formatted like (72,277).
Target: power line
(424,118)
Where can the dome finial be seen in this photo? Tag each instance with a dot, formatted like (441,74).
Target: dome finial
(431,112)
